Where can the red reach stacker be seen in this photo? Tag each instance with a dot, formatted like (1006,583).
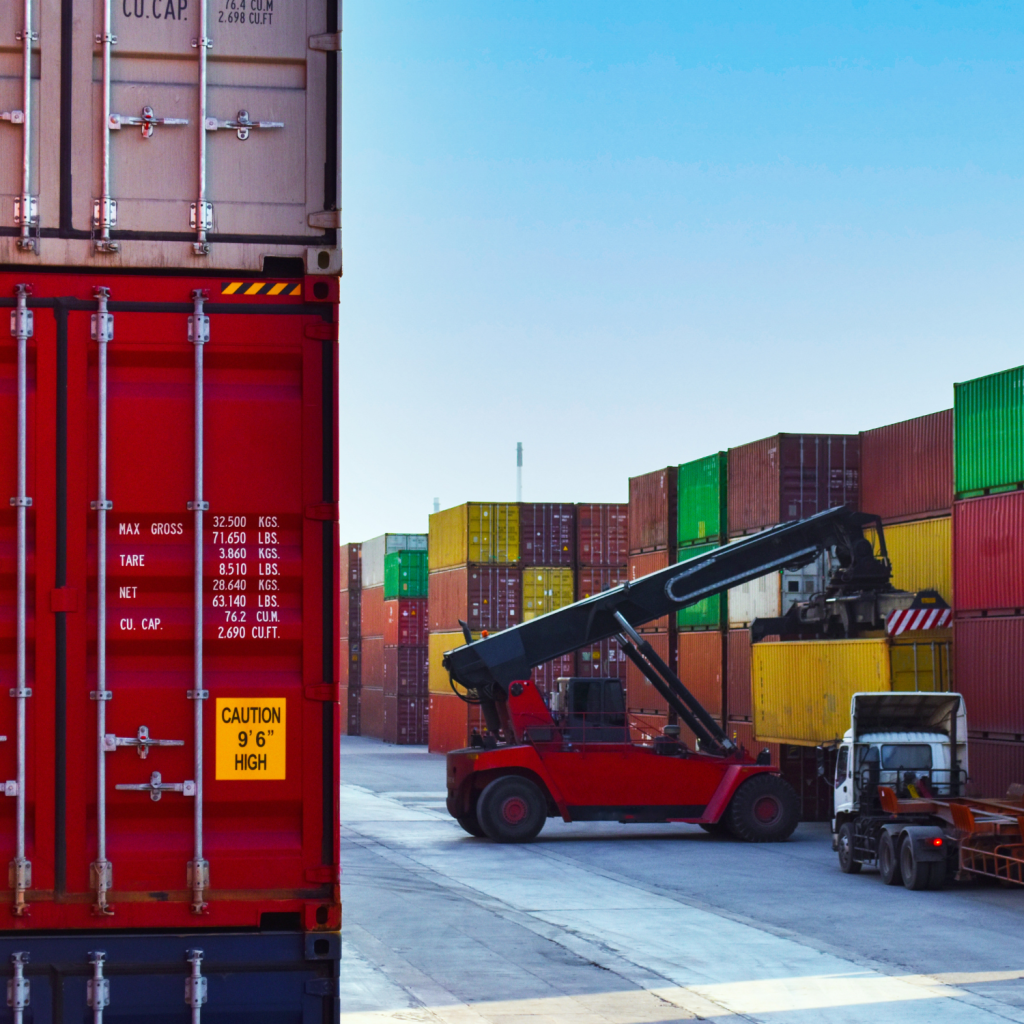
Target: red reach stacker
(573,755)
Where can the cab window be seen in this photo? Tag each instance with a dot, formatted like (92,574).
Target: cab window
(842,765)
(906,756)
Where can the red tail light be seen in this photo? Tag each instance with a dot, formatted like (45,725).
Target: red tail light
(937,841)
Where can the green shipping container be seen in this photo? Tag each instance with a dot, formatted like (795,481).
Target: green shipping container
(405,574)
(702,500)
(706,614)
(988,430)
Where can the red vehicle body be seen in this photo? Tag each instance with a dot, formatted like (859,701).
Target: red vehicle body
(268,774)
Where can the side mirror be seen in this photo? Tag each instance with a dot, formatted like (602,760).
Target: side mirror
(819,753)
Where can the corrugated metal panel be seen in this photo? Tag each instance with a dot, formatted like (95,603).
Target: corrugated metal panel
(652,510)
(592,580)
(437,645)
(371,712)
(604,660)
(705,614)
(484,596)
(406,719)
(350,602)
(375,549)
(738,699)
(758,599)
(371,612)
(644,565)
(699,666)
(405,622)
(988,553)
(802,689)
(475,532)
(547,534)
(602,534)
(703,485)
(743,734)
(921,554)
(791,476)
(922,660)
(993,766)
(641,696)
(351,566)
(907,467)
(349,661)
(405,671)
(351,709)
(798,584)
(989,415)
(989,654)
(452,721)
(546,589)
(371,661)
(405,574)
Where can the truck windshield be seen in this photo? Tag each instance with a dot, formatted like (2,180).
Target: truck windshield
(901,756)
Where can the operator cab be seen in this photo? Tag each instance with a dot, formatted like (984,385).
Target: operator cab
(591,710)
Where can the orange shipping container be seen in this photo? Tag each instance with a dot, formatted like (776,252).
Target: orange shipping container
(451,722)
(372,712)
(371,612)
(644,565)
(699,661)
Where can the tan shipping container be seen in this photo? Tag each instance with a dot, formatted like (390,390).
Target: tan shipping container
(802,689)
(480,532)
(921,554)
(546,589)
(158,141)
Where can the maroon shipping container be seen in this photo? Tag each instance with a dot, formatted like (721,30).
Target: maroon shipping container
(906,469)
(641,696)
(349,663)
(406,719)
(351,699)
(371,612)
(547,534)
(486,596)
(405,622)
(988,553)
(405,672)
(451,722)
(351,566)
(604,660)
(738,698)
(989,671)
(791,476)
(546,676)
(371,661)
(993,766)
(371,712)
(652,510)
(643,565)
(602,534)
(743,734)
(350,613)
(799,767)
(592,580)
(699,667)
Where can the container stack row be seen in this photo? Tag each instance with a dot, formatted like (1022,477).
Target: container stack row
(988,574)
(350,656)
(394,637)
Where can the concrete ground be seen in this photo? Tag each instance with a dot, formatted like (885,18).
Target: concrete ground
(616,924)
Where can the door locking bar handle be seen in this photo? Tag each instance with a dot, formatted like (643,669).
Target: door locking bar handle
(156,787)
(141,742)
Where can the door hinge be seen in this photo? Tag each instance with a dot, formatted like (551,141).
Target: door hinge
(328,511)
(329,42)
(324,873)
(324,219)
(323,691)
(321,331)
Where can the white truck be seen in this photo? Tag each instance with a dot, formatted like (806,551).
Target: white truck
(901,775)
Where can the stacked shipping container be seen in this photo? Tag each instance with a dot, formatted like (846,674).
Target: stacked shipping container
(988,574)
(406,626)
(350,658)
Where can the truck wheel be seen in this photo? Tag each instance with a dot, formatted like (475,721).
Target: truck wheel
(888,862)
(471,825)
(918,875)
(847,864)
(765,809)
(511,809)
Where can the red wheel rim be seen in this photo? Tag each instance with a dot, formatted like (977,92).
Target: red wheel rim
(514,810)
(767,810)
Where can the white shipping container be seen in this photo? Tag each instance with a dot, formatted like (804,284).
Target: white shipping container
(376,548)
(758,599)
(173,134)
(799,584)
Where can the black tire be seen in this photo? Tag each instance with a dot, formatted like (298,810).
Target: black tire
(511,809)
(888,860)
(846,847)
(470,824)
(918,875)
(765,809)
(714,828)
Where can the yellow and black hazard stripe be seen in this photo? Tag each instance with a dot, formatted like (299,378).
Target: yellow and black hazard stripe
(260,288)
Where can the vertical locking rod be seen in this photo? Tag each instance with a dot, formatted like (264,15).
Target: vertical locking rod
(28,212)
(201,246)
(18,988)
(199,869)
(21,327)
(195,984)
(97,988)
(103,334)
(106,40)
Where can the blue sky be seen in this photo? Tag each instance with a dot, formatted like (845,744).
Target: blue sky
(630,234)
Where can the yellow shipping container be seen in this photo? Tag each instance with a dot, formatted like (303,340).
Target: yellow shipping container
(921,554)
(546,590)
(437,645)
(474,532)
(921,659)
(802,689)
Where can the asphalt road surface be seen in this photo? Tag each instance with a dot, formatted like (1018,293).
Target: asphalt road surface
(622,924)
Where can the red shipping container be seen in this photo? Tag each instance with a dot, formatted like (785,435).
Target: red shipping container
(351,566)
(739,701)
(547,534)
(604,660)
(993,766)
(350,617)
(405,622)
(743,734)
(371,661)
(546,676)
(699,667)
(602,535)
(405,672)
(371,712)
(349,663)
(486,596)
(641,696)
(267,602)
(351,698)
(644,565)
(907,468)
(593,580)
(451,722)
(988,553)
(406,719)
(652,510)
(372,617)
(988,658)
(791,476)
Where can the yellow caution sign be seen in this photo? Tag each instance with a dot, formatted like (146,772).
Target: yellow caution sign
(250,738)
